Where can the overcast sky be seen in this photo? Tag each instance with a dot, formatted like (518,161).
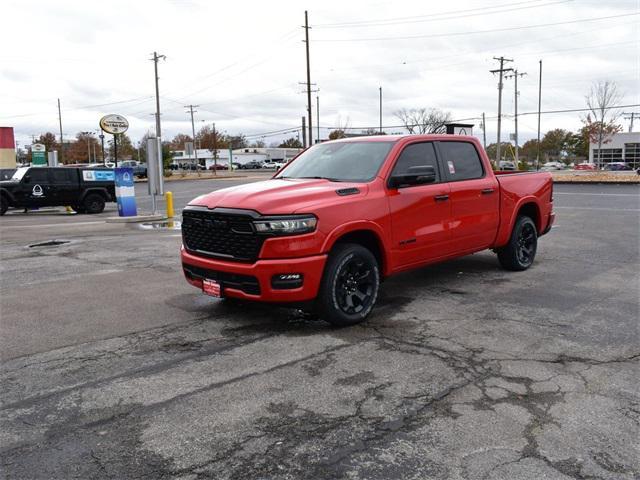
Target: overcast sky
(241,61)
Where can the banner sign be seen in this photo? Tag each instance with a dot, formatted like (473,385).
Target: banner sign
(125,192)
(98,175)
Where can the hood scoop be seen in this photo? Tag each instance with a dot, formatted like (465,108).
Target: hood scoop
(343,192)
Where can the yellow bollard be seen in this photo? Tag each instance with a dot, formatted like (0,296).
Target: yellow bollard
(168,196)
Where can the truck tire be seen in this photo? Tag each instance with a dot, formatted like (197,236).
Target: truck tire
(520,252)
(4,205)
(349,286)
(93,203)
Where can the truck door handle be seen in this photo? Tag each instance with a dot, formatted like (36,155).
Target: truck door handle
(441,198)
(487,191)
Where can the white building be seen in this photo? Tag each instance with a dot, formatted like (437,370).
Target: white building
(623,147)
(240,155)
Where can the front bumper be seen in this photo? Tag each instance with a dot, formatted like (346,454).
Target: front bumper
(253,281)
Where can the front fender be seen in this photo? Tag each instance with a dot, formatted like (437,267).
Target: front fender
(358,226)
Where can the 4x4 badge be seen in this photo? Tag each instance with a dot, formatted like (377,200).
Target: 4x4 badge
(37,191)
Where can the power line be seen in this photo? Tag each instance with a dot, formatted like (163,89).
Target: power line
(475,32)
(412,20)
(355,23)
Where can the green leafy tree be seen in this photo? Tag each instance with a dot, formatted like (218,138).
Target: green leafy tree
(291,143)
(126,150)
(529,150)
(555,142)
(336,134)
(505,147)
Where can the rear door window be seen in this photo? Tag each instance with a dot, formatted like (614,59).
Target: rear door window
(62,176)
(461,160)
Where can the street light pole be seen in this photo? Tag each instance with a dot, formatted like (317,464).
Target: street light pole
(102,143)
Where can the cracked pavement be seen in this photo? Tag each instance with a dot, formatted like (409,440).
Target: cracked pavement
(114,368)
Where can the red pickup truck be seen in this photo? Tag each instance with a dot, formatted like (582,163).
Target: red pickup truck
(343,215)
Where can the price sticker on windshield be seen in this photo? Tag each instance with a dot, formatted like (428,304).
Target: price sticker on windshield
(452,168)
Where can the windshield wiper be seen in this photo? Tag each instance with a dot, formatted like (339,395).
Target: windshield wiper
(318,177)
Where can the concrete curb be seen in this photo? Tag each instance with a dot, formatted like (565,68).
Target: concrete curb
(136,219)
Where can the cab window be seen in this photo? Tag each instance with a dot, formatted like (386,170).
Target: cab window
(62,176)
(415,155)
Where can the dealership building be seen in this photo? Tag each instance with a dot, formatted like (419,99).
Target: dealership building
(623,147)
(240,156)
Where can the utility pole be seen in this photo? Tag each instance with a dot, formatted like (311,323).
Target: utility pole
(102,143)
(160,166)
(193,130)
(630,116)
(61,140)
(484,132)
(500,71)
(304,133)
(317,118)
(380,91)
(215,150)
(306,36)
(515,76)
(539,110)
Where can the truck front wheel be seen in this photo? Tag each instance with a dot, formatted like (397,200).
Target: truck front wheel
(4,205)
(93,203)
(520,252)
(349,286)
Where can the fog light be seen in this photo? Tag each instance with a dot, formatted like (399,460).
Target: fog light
(285,281)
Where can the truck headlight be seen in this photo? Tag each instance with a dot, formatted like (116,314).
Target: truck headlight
(288,225)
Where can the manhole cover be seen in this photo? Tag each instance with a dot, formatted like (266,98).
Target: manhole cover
(49,243)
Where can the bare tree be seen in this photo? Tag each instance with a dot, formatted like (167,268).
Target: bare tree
(603,96)
(423,120)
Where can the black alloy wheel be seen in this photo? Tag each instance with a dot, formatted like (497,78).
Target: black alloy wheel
(526,244)
(354,286)
(520,252)
(349,286)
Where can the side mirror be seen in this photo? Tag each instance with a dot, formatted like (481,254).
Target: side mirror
(417,175)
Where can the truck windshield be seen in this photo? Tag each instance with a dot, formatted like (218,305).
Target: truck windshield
(19,173)
(339,162)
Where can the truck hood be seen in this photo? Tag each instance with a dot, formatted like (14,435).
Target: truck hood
(278,196)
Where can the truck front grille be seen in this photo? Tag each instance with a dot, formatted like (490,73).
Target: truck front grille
(222,235)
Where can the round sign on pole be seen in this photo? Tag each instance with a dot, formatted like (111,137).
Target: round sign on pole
(114,124)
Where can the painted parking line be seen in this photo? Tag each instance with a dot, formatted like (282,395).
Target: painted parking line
(40,225)
(599,208)
(600,194)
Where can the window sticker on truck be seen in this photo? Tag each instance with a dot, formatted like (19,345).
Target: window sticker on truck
(452,168)
(98,175)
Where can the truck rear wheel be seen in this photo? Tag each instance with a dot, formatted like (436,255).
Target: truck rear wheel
(4,205)
(349,286)
(520,252)
(93,203)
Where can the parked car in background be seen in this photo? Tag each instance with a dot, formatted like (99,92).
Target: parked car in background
(585,166)
(553,166)
(507,165)
(139,169)
(85,190)
(616,167)
(252,165)
(272,164)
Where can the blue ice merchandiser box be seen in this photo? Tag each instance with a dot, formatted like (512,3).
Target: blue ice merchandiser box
(125,192)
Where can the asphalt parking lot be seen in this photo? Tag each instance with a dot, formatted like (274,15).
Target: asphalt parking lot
(114,367)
